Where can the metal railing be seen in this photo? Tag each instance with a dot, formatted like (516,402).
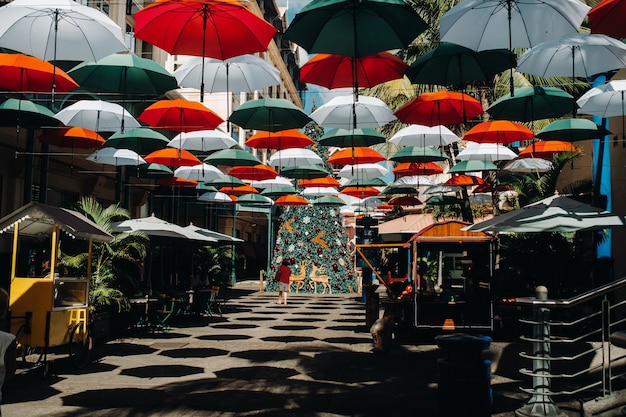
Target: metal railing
(571,350)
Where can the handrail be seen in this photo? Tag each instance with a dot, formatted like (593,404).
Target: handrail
(570,302)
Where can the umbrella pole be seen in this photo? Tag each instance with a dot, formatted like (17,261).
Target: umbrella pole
(205,13)
(511,86)
(227,102)
(54,61)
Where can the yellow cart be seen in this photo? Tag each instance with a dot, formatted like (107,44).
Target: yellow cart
(48,310)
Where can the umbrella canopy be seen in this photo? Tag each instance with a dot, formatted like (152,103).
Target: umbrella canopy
(171,157)
(404,200)
(97,115)
(486,152)
(464,180)
(153,226)
(360,182)
(363,171)
(239,190)
(439,108)
(532,103)
(116,157)
(417,154)
(257,172)
(528,165)
(279,190)
(291,200)
(498,131)
(232,157)
(19,72)
(344,138)
(180,115)
(215,197)
(613,85)
(450,64)
(25,113)
(412,181)
(347,28)
(341,71)
(343,112)
(304,171)
(254,200)
(200,172)
(151,171)
(552,214)
(421,136)
(472,166)
(360,192)
(329,200)
(59,30)
(277,181)
(224,181)
(176,182)
(142,140)
(269,114)
(400,189)
(417,168)
(606,18)
(72,137)
(443,200)
(282,139)
(571,130)
(294,157)
(546,149)
(319,191)
(127,74)
(319,182)
(203,141)
(360,155)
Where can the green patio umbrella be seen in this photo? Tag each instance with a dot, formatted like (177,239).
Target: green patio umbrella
(142,140)
(269,114)
(416,154)
(571,130)
(301,172)
(473,166)
(232,157)
(345,138)
(532,103)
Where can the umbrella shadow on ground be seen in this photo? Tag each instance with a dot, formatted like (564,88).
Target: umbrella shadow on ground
(266,355)
(289,339)
(304,320)
(131,398)
(224,337)
(249,373)
(164,334)
(29,386)
(253,318)
(162,371)
(291,328)
(125,349)
(348,340)
(235,326)
(194,353)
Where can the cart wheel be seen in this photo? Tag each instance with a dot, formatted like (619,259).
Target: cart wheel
(31,355)
(81,343)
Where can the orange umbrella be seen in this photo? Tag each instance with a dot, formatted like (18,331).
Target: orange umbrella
(417,168)
(291,200)
(546,149)
(319,182)
(283,139)
(439,108)
(239,190)
(464,179)
(257,172)
(176,182)
(24,73)
(360,192)
(72,137)
(351,156)
(404,200)
(172,157)
(180,115)
(498,131)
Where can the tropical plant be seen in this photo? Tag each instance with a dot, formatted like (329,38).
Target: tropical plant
(213,263)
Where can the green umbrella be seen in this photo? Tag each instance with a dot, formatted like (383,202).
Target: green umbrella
(571,130)
(443,200)
(345,138)
(142,140)
(254,200)
(452,64)
(269,114)
(207,188)
(224,181)
(361,182)
(126,73)
(232,157)
(279,191)
(153,171)
(417,154)
(302,172)
(473,166)
(25,113)
(397,189)
(329,200)
(532,103)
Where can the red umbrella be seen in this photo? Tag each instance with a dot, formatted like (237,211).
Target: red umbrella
(546,149)
(239,190)
(319,182)
(337,71)
(417,168)
(180,115)
(439,108)
(464,179)
(404,200)
(291,200)
(351,156)
(176,182)
(219,29)
(283,139)
(607,18)
(172,157)
(257,172)
(72,137)
(498,131)
(360,192)
(19,72)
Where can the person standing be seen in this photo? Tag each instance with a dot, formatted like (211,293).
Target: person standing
(7,345)
(282,276)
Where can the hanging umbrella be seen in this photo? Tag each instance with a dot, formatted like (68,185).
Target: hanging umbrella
(571,130)
(23,73)
(254,200)
(361,192)
(416,154)
(400,189)
(532,103)
(319,191)
(498,131)
(329,200)
(363,170)
(176,182)
(239,190)
(464,180)
(528,165)
(472,165)
(606,18)
(279,190)
(171,157)
(442,189)
(215,197)
(253,172)
(219,29)
(412,181)
(224,181)
(142,140)
(232,157)
(360,182)
(405,200)
(180,115)
(151,171)
(417,168)
(421,136)
(344,113)
(613,85)
(291,200)
(200,172)
(606,101)
(360,155)
(269,114)
(294,157)
(203,141)
(439,108)
(319,182)
(282,139)
(486,152)
(546,149)
(443,200)
(344,138)
(277,181)
(97,115)
(25,113)
(450,64)
(338,71)
(72,137)
(116,157)
(304,171)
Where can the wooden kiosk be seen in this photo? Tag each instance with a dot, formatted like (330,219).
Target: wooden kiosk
(48,309)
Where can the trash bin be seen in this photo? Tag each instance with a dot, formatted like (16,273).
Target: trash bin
(464,376)
(372,304)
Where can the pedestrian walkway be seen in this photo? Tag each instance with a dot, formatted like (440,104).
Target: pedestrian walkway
(312,357)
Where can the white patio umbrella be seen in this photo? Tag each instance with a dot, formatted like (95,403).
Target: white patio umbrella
(97,115)
(486,152)
(319,191)
(422,136)
(294,157)
(342,111)
(201,172)
(116,157)
(154,226)
(528,165)
(362,171)
(203,141)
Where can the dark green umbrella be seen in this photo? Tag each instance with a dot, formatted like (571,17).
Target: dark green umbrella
(207,188)
(361,182)
(443,200)
(279,190)
(224,181)
(25,113)
(473,166)
(232,157)
(399,189)
(452,64)
(328,200)
(571,130)
(142,140)
(416,154)
(532,103)
(153,171)
(126,73)
(345,138)
(254,200)
(269,114)
(302,172)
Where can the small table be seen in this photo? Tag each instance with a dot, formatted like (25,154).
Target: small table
(140,308)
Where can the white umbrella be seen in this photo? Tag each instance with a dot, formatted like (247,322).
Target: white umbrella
(201,172)
(528,165)
(412,181)
(274,182)
(363,171)
(613,85)
(294,157)
(340,112)
(59,30)
(486,152)
(116,157)
(319,191)
(422,136)
(203,141)
(606,101)
(215,197)
(153,226)
(97,115)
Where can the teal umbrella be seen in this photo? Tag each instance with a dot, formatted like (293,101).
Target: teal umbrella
(443,200)
(142,140)
(25,113)
(532,103)
(301,172)
(278,191)
(345,138)
(571,130)
(399,189)
(361,182)
(152,171)
(328,200)
(224,181)
(206,188)
(473,166)
(232,157)
(254,200)
(269,114)
(416,154)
